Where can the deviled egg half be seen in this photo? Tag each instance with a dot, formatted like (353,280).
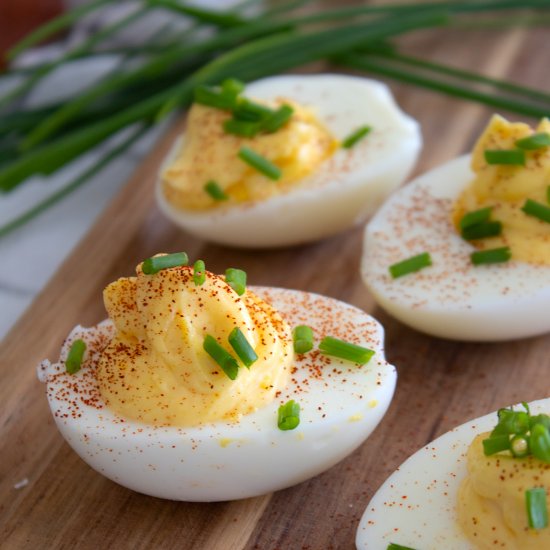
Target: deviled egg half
(463,252)
(286,160)
(193,390)
(450,494)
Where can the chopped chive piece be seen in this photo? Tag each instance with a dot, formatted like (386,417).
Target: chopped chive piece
(224,359)
(492,256)
(548,194)
(410,265)
(519,446)
(539,442)
(236,279)
(543,419)
(534,142)
(510,156)
(537,210)
(537,510)
(205,95)
(511,422)
(75,356)
(241,128)
(199,272)
(266,167)
(496,444)
(475,217)
(251,111)
(242,348)
(356,136)
(288,416)
(150,266)
(231,87)
(345,350)
(215,191)
(393,546)
(302,337)
(481,230)
(278,118)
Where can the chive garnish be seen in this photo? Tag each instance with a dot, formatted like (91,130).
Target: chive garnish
(199,272)
(475,217)
(241,128)
(224,359)
(501,156)
(302,337)
(231,87)
(519,446)
(356,136)
(537,511)
(150,266)
(410,265)
(539,442)
(242,347)
(266,167)
(288,416)
(277,119)
(537,210)
(496,444)
(481,230)
(215,191)
(491,256)
(205,95)
(75,356)
(393,546)
(251,111)
(534,142)
(345,350)
(548,194)
(236,279)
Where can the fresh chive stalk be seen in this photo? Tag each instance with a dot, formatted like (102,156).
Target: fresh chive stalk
(236,279)
(215,191)
(500,156)
(75,356)
(410,265)
(481,230)
(534,142)
(302,337)
(288,416)
(259,163)
(491,256)
(153,265)
(475,217)
(537,210)
(356,136)
(222,357)
(242,347)
(537,510)
(199,273)
(345,350)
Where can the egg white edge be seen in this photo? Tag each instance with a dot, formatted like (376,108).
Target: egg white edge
(494,310)
(309,441)
(275,222)
(427,479)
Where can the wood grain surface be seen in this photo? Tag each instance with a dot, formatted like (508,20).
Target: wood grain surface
(441,383)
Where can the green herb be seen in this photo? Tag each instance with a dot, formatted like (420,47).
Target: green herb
(548,194)
(491,256)
(539,442)
(537,511)
(155,264)
(266,167)
(242,347)
(199,272)
(519,446)
(410,265)
(475,217)
(481,230)
(251,111)
(302,337)
(215,191)
(75,356)
(236,279)
(534,142)
(222,357)
(277,119)
(512,157)
(241,128)
(356,136)
(393,546)
(206,95)
(496,444)
(537,210)
(288,416)
(345,350)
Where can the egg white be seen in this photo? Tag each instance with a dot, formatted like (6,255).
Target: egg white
(452,298)
(345,190)
(416,505)
(225,461)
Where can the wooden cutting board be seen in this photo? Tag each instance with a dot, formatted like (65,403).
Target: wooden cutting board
(441,383)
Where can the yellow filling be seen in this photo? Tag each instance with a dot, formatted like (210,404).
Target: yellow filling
(155,369)
(506,188)
(208,153)
(491,501)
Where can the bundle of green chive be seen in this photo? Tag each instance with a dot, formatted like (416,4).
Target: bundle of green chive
(159,77)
